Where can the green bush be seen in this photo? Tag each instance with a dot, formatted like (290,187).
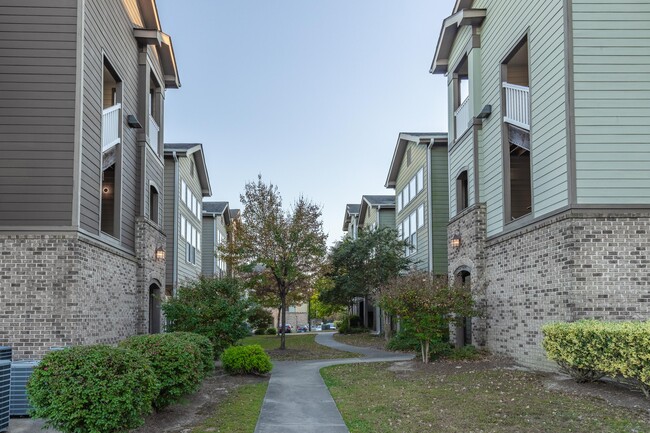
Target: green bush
(92,389)
(259,317)
(271,331)
(246,360)
(355,321)
(589,349)
(261,331)
(205,349)
(212,307)
(176,362)
(406,340)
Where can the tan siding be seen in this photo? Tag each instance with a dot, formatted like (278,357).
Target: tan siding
(37,93)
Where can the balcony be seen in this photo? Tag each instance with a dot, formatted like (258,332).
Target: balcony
(154,132)
(462,118)
(111,126)
(517,100)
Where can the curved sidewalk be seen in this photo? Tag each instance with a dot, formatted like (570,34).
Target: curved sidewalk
(297,400)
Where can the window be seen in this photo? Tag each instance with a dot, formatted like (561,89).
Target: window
(462,115)
(462,195)
(413,188)
(399,202)
(190,245)
(408,231)
(153,204)
(183,192)
(516,133)
(154,103)
(183,224)
(110,212)
(420,179)
(420,215)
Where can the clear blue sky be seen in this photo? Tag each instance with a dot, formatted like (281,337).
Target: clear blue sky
(311,94)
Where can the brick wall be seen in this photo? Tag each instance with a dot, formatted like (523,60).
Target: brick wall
(67,289)
(572,266)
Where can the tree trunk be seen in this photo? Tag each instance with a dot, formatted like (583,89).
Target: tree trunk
(284,321)
(279,318)
(308,315)
(387,326)
(425,351)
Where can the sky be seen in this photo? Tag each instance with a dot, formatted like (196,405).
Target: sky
(310,94)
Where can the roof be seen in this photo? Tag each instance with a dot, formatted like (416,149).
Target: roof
(163,42)
(217,208)
(350,210)
(195,149)
(462,15)
(404,138)
(376,202)
(235,213)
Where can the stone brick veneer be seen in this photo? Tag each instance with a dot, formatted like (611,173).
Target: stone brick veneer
(578,264)
(68,289)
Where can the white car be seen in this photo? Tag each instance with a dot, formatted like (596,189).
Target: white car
(318,328)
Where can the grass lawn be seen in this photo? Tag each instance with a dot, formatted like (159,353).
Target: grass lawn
(445,397)
(238,413)
(362,340)
(300,347)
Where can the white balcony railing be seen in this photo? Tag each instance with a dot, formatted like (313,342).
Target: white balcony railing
(517,105)
(111,126)
(154,131)
(462,118)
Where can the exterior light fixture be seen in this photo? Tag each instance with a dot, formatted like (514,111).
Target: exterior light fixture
(133,122)
(485,112)
(455,241)
(160,254)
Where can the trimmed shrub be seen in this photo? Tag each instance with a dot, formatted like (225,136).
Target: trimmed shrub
(261,331)
(205,349)
(246,360)
(355,322)
(590,349)
(176,362)
(90,389)
(271,331)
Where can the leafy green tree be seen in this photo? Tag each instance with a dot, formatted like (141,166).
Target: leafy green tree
(320,309)
(213,307)
(429,304)
(358,267)
(259,317)
(280,252)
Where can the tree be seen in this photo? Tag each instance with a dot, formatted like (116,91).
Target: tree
(429,304)
(282,251)
(359,266)
(259,317)
(318,308)
(213,307)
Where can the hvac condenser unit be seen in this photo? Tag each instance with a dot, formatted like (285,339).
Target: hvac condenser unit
(5,382)
(5,353)
(20,374)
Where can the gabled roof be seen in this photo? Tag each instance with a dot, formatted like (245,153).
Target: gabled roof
(195,149)
(404,138)
(162,41)
(235,213)
(350,210)
(377,202)
(462,15)
(217,208)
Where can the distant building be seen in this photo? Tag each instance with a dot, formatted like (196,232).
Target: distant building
(216,220)
(186,184)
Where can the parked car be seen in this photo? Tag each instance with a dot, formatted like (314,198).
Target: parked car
(302,329)
(287,328)
(328,326)
(318,328)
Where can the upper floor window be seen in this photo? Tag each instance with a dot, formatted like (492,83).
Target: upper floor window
(154,113)
(153,204)
(411,190)
(516,146)
(110,213)
(462,116)
(462,192)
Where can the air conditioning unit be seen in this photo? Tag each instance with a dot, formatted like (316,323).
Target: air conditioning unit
(5,390)
(5,353)
(20,374)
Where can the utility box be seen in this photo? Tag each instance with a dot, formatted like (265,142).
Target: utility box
(5,353)
(21,371)
(5,391)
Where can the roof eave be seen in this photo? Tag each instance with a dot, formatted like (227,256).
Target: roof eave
(448,32)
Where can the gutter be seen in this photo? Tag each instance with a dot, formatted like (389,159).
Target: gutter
(175,229)
(430,211)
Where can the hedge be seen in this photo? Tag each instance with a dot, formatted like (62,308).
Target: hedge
(590,349)
(246,360)
(176,362)
(205,348)
(92,389)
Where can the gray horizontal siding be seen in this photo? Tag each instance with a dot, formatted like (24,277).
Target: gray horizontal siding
(38,48)
(171,200)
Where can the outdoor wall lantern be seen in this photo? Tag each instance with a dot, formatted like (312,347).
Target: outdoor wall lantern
(160,254)
(133,122)
(455,241)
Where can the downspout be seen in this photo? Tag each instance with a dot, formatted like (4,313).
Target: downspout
(430,211)
(175,229)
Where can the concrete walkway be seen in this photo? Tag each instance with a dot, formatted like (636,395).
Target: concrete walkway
(297,400)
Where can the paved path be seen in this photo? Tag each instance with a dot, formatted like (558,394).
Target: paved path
(297,400)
